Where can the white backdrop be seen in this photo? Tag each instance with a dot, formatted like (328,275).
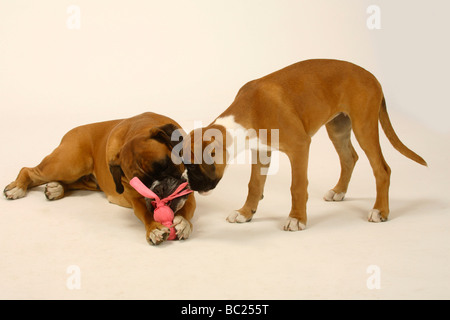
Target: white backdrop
(188,59)
(66,63)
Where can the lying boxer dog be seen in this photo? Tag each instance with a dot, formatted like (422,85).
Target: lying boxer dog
(295,102)
(106,156)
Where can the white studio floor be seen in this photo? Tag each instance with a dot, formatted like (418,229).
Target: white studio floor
(336,257)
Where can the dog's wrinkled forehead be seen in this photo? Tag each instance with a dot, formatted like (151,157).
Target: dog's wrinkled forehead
(150,171)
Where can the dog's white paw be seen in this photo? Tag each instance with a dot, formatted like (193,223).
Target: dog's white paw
(331,195)
(14,193)
(375,216)
(157,236)
(54,190)
(182,227)
(292,224)
(237,217)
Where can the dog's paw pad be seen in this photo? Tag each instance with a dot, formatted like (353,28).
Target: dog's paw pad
(376,216)
(293,224)
(331,195)
(237,217)
(182,227)
(54,190)
(14,193)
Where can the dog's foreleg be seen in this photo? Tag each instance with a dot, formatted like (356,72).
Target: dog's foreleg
(181,221)
(255,189)
(298,157)
(155,232)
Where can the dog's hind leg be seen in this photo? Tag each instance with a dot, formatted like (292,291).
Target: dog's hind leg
(87,182)
(65,165)
(339,131)
(55,190)
(366,132)
(26,179)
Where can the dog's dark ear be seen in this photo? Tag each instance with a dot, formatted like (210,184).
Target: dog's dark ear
(164,133)
(117,174)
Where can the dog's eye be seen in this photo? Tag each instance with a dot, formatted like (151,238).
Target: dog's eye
(213,154)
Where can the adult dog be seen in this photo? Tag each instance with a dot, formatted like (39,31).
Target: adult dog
(295,102)
(106,156)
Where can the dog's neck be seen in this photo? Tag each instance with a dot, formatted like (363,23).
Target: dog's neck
(236,138)
(240,138)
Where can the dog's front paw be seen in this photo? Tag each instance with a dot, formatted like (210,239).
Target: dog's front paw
(237,217)
(293,224)
(376,216)
(157,234)
(183,227)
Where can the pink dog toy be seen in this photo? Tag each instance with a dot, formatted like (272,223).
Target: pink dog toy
(163,213)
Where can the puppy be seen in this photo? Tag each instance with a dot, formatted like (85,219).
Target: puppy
(106,156)
(293,103)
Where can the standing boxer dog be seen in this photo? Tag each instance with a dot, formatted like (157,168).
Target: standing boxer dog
(297,101)
(106,156)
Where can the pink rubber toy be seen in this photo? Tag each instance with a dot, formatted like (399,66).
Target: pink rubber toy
(163,213)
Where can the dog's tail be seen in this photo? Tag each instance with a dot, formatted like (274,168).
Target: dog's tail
(393,138)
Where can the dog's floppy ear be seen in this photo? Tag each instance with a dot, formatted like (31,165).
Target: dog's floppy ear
(164,133)
(114,145)
(117,174)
